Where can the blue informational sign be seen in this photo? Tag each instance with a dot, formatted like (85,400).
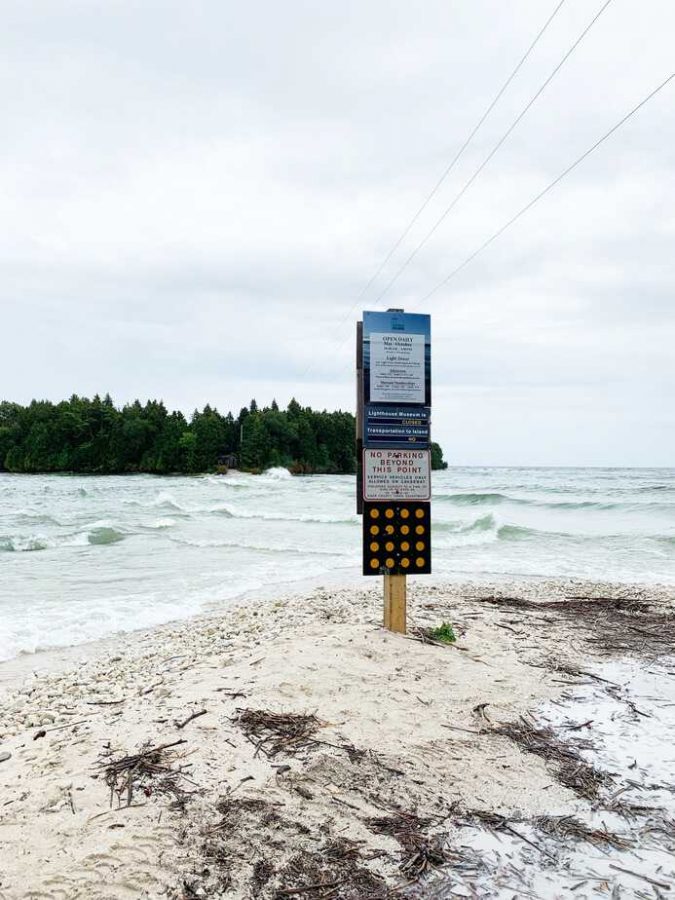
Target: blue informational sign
(395,426)
(397,358)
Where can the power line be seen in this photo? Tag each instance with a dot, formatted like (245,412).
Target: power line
(453,162)
(492,152)
(451,165)
(546,190)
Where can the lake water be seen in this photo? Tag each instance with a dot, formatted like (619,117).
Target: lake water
(84,557)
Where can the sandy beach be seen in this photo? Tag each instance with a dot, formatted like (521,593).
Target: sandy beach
(291,747)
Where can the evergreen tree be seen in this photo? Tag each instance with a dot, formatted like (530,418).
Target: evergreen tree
(93,436)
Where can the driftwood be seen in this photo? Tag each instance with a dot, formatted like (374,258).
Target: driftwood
(271,733)
(194,715)
(334,871)
(571,769)
(151,770)
(420,851)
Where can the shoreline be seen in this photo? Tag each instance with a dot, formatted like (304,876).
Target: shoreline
(48,660)
(390,727)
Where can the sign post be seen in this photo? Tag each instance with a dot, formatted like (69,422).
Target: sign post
(393,451)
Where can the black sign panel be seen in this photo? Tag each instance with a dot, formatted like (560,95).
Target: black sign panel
(396,538)
(395,426)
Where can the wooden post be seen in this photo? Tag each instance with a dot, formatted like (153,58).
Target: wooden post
(395,603)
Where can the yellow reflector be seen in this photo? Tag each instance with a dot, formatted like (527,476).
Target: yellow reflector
(419,545)
(374,514)
(374,564)
(389,546)
(419,513)
(374,529)
(419,529)
(375,547)
(405,562)
(389,529)
(405,546)
(390,563)
(389,513)
(405,529)
(405,513)
(419,562)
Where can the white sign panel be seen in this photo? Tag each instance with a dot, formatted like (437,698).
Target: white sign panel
(396,368)
(396,475)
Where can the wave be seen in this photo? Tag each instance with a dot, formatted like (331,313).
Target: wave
(495,499)
(260,548)
(277,473)
(490,529)
(165,500)
(104,535)
(476,499)
(220,511)
(229,512)
(33,543)
(316,518)
(35,518)
(22,545)
(228,482)
(519,533)
(485,523)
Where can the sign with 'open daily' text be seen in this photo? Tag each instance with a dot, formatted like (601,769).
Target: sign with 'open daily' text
(397,358)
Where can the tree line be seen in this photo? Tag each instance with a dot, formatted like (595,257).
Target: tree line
(94,436)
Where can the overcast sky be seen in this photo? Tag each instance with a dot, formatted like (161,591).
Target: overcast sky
(194,196)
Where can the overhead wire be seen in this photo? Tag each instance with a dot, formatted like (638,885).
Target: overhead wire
(491,154)
(500,231)
(455,159)
(448,169)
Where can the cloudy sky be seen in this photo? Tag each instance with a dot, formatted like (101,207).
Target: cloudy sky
(194,196)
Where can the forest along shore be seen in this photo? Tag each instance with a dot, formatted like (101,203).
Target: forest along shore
(293,748)
(83,435)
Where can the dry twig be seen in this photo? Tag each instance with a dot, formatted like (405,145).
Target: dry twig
(151,770)
(273,732)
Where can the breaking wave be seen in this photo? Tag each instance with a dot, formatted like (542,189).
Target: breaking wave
(472,499)
(34,543)
(496,499)
(112,553)
(104,535)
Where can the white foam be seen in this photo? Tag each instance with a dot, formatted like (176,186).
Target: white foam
(277,473)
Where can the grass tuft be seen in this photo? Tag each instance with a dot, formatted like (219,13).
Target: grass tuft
(445,633)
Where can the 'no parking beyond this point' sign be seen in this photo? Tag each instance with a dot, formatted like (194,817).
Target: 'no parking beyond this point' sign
(396,474)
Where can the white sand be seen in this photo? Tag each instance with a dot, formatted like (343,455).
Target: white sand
(323,654)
